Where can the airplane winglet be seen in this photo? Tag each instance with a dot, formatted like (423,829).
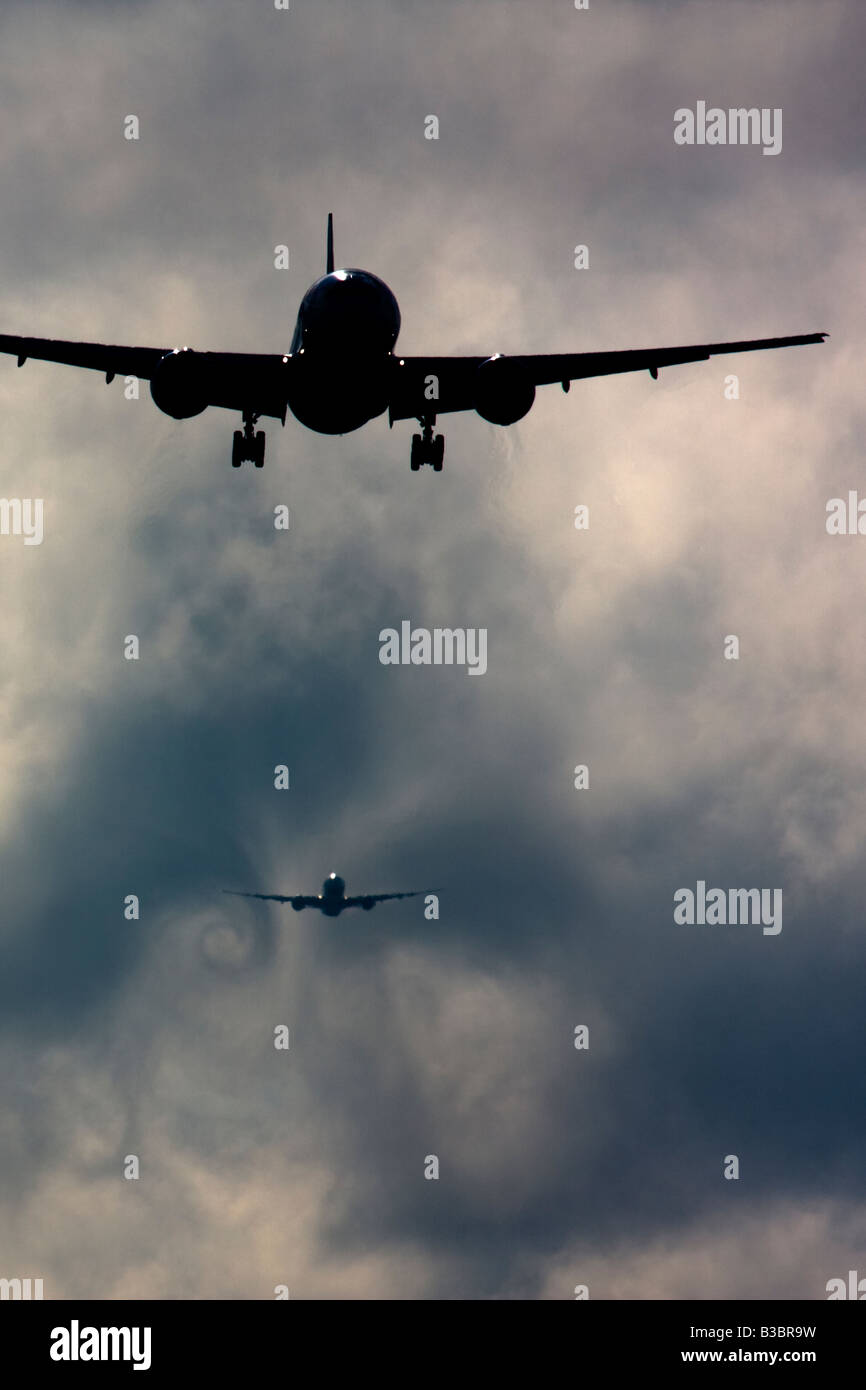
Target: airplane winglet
(330,265)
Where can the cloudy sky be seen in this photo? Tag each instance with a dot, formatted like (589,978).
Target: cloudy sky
(455,1037)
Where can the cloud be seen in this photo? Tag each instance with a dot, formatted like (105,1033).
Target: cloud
(452,1037)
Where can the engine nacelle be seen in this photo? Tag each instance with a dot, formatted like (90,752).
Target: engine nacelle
(367,904)
(298,904)
(502,392)
(178,384)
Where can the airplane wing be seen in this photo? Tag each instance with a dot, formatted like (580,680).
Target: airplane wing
(292,898)
(372,898)
(235,380)
(456,375)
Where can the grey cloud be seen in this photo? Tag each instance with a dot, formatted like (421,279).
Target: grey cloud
(451,1037)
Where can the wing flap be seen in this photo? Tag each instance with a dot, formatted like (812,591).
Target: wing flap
(547,369)
(381,897)
(99,357)
(273,897)
(234,380)
(439,385)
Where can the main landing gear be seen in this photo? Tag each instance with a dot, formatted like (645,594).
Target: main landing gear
(248,446)
(427,447)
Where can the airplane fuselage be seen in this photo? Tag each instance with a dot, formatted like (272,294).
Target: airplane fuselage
(345,333)
(332,899)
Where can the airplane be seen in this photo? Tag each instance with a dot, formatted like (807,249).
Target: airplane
(341,370)
(332,900)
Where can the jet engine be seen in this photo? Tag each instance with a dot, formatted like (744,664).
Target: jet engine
(367,904)
(178,384)
(298,904)
(502,393)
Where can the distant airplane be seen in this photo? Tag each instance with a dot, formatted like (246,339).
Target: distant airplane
(341,370)
(332,900)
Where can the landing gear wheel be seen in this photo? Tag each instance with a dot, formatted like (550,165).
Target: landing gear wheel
(427,447)
(247,445)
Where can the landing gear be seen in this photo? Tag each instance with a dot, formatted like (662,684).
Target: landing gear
(248,445)
(427,447)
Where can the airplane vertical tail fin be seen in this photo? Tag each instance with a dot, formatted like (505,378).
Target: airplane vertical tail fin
(330,265)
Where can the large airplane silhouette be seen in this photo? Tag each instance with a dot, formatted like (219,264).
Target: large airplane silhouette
(341,370)
(332,900)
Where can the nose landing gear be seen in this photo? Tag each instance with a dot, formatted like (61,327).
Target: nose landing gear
(427,447)
(249,446)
